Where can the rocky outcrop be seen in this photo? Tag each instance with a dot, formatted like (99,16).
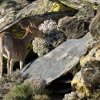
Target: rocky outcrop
(59,61)
(9,9)
(13,11)
(94,26)
(77,4)
(73,27)
(41,7)
(86,81)
(78,25)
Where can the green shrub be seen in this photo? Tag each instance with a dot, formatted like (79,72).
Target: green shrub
(28,91)
(19,92)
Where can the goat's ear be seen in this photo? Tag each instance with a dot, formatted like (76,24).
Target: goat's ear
(32,24)
(24,27)
(21,25)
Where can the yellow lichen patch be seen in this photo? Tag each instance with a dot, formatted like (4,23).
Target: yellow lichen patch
(45,0)
(58,7)
(54,6)
(83,60)
(95,7)
(78,84)
(69,4)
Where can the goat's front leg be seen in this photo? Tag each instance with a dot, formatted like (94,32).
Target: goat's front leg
(11,66)
(8,63)
(22,61)
(21,64)
(1,64)
(1,57)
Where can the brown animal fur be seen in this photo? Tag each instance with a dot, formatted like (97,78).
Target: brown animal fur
(15,49)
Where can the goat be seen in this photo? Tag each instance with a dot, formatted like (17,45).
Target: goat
(15,49)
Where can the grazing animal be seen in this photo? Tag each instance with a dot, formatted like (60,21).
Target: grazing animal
(15,49)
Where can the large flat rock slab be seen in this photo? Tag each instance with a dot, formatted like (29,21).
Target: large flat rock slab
(58,61)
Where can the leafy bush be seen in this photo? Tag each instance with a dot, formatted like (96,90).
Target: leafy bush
(28,91)
(20,92)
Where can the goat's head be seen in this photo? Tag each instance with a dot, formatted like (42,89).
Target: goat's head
(32,29)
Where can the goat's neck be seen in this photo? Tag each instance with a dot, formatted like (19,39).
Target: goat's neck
(27,38)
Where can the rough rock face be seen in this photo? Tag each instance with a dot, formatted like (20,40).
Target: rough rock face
(91,67)
(77,4)
(87,80)
(86,12)
(17,10)
(91,73)
(9,9)
(41,7)
(94,26)
(79,87)
(73,27)
(78,25)
(58,61)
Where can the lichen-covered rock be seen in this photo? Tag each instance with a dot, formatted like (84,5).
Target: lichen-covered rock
(95,95)
(93,55)
(9,9)
(91,74)
(86,12)
(77,4)
(91,67)
(13,11)
(87,80)
(41,7)
(94,27)
(79,86)
(73,27)
(78,25)
(62,23)
(52,38)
